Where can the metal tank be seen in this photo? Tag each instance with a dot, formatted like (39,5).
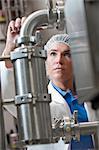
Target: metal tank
(81,53)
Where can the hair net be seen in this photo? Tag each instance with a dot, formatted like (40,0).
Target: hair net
(58,38)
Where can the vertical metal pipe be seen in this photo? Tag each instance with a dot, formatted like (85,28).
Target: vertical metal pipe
(23,86)
(2,128)
(34,118)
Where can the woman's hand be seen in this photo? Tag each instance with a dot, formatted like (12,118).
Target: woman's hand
(12,34)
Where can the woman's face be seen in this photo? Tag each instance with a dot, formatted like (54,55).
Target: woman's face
(59,63)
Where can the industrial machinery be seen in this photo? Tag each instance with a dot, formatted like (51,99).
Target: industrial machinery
(32,99)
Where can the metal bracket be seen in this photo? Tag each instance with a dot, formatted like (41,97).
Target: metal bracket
(28,52)
(23,99)
(45,97)
(18,54)
(40,53)
(27,98)
(26,40)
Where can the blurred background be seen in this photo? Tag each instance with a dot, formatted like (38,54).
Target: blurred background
(11,9)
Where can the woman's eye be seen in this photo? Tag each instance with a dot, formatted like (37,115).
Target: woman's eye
(53,54)
(67,55)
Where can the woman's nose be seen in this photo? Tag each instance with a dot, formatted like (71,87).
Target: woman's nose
(59,59)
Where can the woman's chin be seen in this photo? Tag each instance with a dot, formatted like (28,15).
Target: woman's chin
(59,78)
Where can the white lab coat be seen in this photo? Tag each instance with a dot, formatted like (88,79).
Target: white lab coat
(59,107)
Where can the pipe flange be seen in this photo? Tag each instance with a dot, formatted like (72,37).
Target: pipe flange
(26,40)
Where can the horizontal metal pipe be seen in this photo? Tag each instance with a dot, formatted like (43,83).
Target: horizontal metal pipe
(85,128)
(88,127)
(3,58)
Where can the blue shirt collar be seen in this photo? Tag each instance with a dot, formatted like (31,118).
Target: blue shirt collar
(65,93)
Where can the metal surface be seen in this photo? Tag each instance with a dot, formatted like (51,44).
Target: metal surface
(3,58)
(2,127)
(82,25)
(92,14)
(34,117)
(53,15)
(68,129)
(81,54)
(35,19)
(22,83)
(33,110)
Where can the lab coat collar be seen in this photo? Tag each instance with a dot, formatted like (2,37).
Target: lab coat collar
(56,96)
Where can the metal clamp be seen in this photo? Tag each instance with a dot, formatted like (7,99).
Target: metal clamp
(45,97)
(23,99)
(40,53)
(18,54)
(26,40)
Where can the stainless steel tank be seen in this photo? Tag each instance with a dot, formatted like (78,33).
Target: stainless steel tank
(81,52)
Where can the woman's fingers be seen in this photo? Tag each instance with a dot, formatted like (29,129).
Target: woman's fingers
(14,26)
(18,24)
(11,26)
(22,20)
